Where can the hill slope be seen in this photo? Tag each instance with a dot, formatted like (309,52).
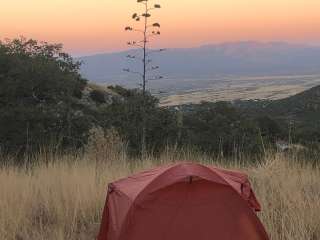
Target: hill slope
(300,113)
(295,107)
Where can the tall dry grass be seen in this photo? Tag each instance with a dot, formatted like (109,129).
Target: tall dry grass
(63,197)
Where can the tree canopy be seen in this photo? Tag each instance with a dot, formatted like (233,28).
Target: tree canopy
(40,88)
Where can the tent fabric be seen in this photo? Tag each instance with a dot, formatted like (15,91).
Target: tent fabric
(182,201)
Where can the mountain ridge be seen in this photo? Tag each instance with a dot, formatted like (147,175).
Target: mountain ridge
(247,58)
(211,45)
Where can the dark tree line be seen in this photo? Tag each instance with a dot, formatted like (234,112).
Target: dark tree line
(43,103)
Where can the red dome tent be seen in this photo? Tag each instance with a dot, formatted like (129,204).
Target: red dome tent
(182,202)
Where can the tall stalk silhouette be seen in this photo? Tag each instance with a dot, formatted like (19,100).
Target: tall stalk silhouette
(148,31)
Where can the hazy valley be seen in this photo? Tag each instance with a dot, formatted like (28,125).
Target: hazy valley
(237,88)
(227,71)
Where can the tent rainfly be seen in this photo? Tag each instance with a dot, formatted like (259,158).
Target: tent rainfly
(182,202)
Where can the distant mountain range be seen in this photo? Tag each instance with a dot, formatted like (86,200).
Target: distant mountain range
(208,62)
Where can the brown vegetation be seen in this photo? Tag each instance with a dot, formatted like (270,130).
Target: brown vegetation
(62,197)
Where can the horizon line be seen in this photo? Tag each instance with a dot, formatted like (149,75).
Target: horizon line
(290,43)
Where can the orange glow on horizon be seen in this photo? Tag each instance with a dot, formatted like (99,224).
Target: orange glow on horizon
(97,25)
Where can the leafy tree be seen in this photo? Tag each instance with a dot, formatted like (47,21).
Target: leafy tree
(98,96)
(126,116)
(219,128)
(269,128)
(40,88)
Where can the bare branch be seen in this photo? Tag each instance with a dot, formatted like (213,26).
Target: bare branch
(156,6)
(134,57)
(142,1)
(156,51)
(133,72)
(131,56)
(146,15)
(156,25)
(152,35)
(138,30)
(134,44)
(155,78)
(153,68)
(128,28)
(148,61)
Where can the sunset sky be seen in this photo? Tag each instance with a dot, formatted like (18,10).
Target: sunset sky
(92,26)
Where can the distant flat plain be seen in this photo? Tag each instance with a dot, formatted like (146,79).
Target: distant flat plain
(228,88)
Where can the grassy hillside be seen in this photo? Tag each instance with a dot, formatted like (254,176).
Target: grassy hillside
(298,114)
(302,106)
(62,197)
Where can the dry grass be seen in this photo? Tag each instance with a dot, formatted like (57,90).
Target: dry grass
(234,88)
(63,198)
